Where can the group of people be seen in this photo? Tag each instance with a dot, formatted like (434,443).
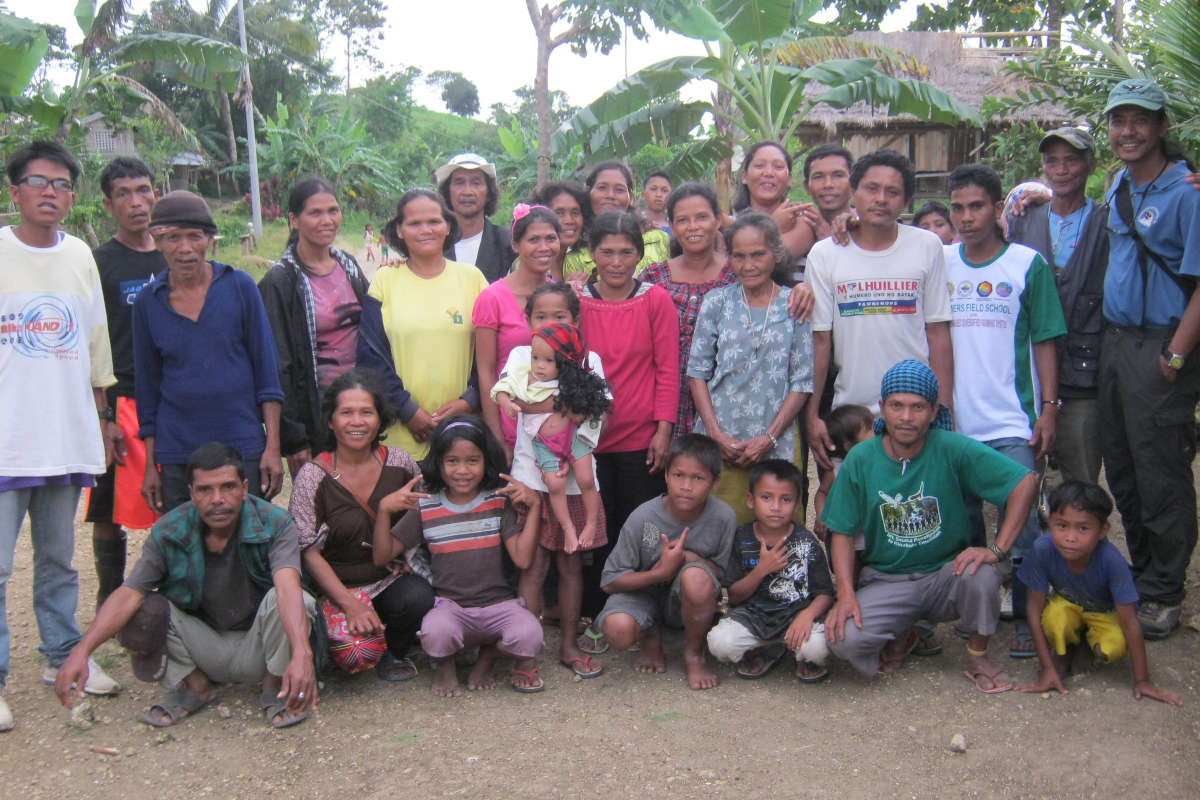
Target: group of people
(604,417)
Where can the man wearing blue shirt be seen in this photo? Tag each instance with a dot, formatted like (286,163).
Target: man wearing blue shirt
(1149,371)
(205,367)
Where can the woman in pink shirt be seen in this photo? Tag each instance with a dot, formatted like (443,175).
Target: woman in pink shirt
(499,316)
(634,328)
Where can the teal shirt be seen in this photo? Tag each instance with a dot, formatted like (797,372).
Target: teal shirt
(912,515)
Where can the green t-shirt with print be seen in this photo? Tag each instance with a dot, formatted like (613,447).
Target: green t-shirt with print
(912,514)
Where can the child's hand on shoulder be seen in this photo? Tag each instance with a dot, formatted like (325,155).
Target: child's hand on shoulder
(1147,689)
(402,499)
(1047,679)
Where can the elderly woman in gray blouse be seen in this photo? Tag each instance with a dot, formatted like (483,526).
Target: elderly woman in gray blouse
(750,367)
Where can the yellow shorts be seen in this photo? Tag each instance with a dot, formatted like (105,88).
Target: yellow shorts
(1064,622)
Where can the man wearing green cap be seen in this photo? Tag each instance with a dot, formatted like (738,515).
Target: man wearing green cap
(1149,372)
(1071,233)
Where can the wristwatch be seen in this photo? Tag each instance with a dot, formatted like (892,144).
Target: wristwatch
(1057,403)
(1174,360)
(108,414)
(1001,555)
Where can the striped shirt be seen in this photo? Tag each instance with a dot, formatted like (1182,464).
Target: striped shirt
(466,546)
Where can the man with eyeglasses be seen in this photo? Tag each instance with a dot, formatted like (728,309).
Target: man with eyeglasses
(55,364)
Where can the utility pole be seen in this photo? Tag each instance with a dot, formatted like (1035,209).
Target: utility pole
(251,145)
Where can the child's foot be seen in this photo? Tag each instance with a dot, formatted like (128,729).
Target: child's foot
(482,674)
(699,674)
(582,664)
(1081,660)
(445,680)
(651,658)
(570,539)
(525,678)
(587,536)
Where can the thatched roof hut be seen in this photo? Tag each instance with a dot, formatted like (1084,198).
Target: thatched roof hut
(969,73)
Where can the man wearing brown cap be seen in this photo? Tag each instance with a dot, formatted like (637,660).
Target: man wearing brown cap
(467,183)
(205,365)
(1071,234)
(215,598)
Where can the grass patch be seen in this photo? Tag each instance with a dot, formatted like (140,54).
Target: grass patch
(667,716)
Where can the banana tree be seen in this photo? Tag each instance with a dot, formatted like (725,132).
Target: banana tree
(23,44)
(769,68)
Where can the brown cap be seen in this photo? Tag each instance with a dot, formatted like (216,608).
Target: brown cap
(145,637)
(182,209)
(1076,138)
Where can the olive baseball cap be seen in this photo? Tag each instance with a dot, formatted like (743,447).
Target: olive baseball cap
(1074,137)
(1140,92)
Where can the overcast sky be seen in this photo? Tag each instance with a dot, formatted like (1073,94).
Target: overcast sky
(490,41)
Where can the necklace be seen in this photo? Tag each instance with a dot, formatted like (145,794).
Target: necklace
(1073,222)
(762,331)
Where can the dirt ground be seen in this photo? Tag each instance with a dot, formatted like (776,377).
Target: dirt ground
(620,735)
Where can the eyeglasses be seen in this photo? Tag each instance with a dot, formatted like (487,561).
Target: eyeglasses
(41,182)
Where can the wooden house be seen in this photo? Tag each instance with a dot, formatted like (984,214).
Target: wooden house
(967,66)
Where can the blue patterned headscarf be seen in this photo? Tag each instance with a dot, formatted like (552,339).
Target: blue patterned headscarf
(913,377)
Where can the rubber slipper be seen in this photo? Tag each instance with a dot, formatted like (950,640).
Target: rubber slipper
(895,651)
(273,707)
(1022,644)
(179,703)
(536,685)
(998,678)
(808,672)
(583,667)
(767,658)
(391,668)
(592,642)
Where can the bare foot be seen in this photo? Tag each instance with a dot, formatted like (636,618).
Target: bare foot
(587,536)
(699,674)
(482,675)
(525,676)
(445,680)
(570,539)
(651,658)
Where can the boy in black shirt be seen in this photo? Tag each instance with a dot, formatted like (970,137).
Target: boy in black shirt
(779,584)
(126,263)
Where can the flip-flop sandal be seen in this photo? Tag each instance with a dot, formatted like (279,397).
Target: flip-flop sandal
(998,678)
(808,672)
(1022,645)
(592,642)
(181,702)
(583,667)
(767,658)
(927,644)
(273,707)
(391,668)
(536,685)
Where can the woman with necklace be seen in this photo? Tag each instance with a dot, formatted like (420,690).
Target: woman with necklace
(750,366)
(422,327)
(335,499)
(633,327)
(697,269)
(314,298)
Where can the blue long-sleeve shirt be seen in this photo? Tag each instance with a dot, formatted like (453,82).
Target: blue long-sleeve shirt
(204,381)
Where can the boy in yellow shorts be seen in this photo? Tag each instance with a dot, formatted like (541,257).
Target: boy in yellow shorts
(1094,602)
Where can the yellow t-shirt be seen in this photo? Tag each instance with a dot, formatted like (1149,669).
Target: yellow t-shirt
(428,324)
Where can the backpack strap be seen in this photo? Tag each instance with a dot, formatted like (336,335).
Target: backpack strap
(1124,206)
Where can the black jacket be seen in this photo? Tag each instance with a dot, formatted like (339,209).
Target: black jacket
(283,296)
(1080,289)
(495,252)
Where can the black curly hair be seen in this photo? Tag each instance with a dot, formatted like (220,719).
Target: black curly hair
(580,391)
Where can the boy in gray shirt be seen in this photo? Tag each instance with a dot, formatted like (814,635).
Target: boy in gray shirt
(667,565)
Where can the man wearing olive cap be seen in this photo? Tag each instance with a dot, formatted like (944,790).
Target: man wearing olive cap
(1149,370)
(205,365)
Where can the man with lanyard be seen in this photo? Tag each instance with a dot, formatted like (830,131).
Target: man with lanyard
(467,183)
(1071,234)
(1149,371)
(127,262)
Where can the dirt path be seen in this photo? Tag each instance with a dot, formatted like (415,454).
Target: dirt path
(619,735)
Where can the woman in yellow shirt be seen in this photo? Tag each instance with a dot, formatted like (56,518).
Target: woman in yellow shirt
(426,304)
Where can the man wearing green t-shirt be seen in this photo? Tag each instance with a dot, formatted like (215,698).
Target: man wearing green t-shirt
(903,490)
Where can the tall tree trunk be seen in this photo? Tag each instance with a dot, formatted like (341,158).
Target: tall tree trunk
(230,136)
(1054,17)
(724,177)
(1118,22)
(541,92)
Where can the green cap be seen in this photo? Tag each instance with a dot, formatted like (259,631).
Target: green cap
(1074,137)
(1140,92)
